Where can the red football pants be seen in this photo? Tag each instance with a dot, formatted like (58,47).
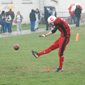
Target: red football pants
(61,44)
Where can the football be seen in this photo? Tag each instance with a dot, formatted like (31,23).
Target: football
(16,46)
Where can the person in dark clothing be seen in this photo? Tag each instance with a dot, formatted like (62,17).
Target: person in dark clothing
(12,14)
(2,20)
(46,15)
(32,19)
(77,15)
(7,23)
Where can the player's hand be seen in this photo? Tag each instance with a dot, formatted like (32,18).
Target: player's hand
(42,35)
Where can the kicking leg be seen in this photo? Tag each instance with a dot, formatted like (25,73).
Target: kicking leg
(54,46)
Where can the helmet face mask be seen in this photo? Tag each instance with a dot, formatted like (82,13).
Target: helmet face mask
(51,20)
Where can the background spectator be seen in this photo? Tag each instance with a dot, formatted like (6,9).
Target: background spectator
(7,22)
(12,16)
(32,20)
(19,21)
(42,19)
(46,15)
(72,16)
(54,12)
(37,14)
(77,15)
(50,11)
(2,20)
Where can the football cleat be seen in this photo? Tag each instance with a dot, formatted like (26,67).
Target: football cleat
(35,54)
(59,70)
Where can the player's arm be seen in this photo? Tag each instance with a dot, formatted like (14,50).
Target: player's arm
(55,29)
(45,35)
(51,32)
(48,33)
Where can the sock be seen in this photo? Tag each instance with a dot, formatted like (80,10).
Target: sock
(44,52)
(61,59)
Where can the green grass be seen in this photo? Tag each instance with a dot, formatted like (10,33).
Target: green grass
(21,68)
(27,26)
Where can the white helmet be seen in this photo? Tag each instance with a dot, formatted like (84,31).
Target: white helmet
(51,20)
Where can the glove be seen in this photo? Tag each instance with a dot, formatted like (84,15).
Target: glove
(42,35)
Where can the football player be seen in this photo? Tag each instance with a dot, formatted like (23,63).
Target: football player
(61,43)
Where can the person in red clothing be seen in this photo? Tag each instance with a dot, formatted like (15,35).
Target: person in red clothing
(60,43)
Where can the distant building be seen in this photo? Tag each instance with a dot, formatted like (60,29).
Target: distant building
(25,6)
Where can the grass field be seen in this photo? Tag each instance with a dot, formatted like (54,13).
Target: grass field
(21,68)
(27,26)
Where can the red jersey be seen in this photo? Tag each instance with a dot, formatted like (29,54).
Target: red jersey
(62,26)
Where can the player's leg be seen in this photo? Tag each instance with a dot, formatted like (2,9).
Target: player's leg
(62,45)
(54,46)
